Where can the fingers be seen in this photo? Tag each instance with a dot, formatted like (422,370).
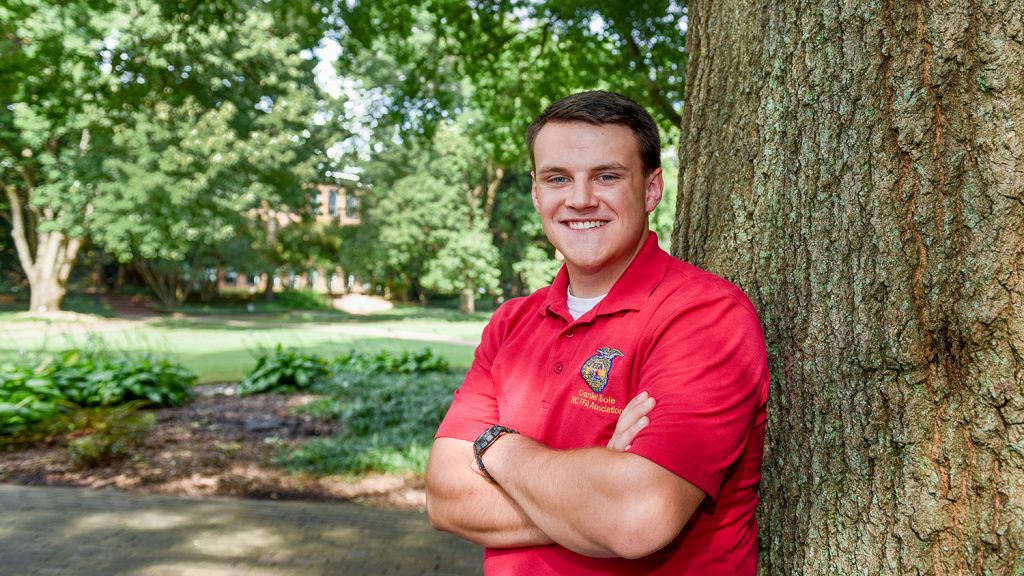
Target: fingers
(637,403)
(632,420)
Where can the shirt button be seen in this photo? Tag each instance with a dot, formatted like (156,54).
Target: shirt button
(569,334)
(558,368)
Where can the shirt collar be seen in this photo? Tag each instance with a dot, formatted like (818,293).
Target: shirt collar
(629,292)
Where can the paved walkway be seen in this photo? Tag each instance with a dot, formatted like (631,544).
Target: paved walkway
(81,532)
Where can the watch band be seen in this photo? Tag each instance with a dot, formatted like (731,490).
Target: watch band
(484,441)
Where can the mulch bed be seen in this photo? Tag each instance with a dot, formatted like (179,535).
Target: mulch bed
(217,445)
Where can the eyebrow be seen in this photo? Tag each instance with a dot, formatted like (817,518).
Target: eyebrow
(612,166)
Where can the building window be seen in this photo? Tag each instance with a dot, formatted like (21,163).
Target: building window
(332,203)
(351,206)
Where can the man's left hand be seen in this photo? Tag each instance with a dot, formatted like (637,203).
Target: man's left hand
(632,420)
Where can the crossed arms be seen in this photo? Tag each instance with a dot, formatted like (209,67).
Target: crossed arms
(599,502)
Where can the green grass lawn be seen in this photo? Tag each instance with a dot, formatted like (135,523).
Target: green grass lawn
(220,348)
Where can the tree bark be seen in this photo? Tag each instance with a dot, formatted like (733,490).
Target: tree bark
(467,301)
(857,168)
(164,278)
(46,257)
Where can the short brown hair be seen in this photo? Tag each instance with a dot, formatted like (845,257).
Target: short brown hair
(599,107)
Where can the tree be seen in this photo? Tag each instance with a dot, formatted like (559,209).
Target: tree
(515,55)
(466,263)
(855,168)
(432,213)
(53,103)
(426,236)
(102,104)
(187,179)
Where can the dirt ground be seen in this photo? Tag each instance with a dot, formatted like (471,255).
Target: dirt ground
(218,445)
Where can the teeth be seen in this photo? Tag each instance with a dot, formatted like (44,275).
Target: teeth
(585,225)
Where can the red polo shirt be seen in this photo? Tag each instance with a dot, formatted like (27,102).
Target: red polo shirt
(689,338)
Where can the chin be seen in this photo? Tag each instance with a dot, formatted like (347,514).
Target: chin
(586,264)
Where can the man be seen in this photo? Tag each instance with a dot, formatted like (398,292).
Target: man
(613,422)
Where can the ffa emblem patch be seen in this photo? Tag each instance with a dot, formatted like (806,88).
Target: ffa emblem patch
(595,370)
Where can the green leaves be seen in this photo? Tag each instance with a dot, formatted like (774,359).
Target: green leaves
(389,422)
(467,258)
(155,127)
(25,399)
(385,362)
(290,370)
(283,370)
(428,217)
(31,396)
(514,57)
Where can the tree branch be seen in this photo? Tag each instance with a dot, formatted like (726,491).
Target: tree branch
(654,91)
(495,175)
(18,232)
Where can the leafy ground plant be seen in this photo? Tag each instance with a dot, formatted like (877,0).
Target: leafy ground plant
(107,433)
(389,422)
(284,370)
(385,362)
(26,399)
(301,300)
(33,398)
(91,379)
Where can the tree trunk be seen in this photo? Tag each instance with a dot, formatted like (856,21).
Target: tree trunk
(268,287)
(164,278)
(467,301)
(46,257)
(857,168)
(46,291)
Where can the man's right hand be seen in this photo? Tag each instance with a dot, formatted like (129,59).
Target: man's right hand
(460,501)
(632,420)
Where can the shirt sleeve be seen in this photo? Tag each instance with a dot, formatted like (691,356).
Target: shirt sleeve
(707,371)
(475,407)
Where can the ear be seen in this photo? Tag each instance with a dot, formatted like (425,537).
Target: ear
(533,191)
(655,187)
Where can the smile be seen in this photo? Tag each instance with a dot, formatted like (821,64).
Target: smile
(586,225)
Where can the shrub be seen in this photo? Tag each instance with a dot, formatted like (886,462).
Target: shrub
(389,421)
(358,456)
(100,380)
(30,397)
(26,399)
(384,362)
(303,299)
(107,434)
(284,370)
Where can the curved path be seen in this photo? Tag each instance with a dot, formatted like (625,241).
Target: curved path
(82,532)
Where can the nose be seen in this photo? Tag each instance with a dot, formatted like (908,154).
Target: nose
(581,197)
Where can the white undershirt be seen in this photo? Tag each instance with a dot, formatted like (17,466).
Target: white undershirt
(580,306)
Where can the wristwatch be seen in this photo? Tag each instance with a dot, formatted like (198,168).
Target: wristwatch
(484,441)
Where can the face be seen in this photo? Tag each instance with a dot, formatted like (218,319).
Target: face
(593,199)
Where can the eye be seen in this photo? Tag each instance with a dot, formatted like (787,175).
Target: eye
(558,180)
(607,177)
